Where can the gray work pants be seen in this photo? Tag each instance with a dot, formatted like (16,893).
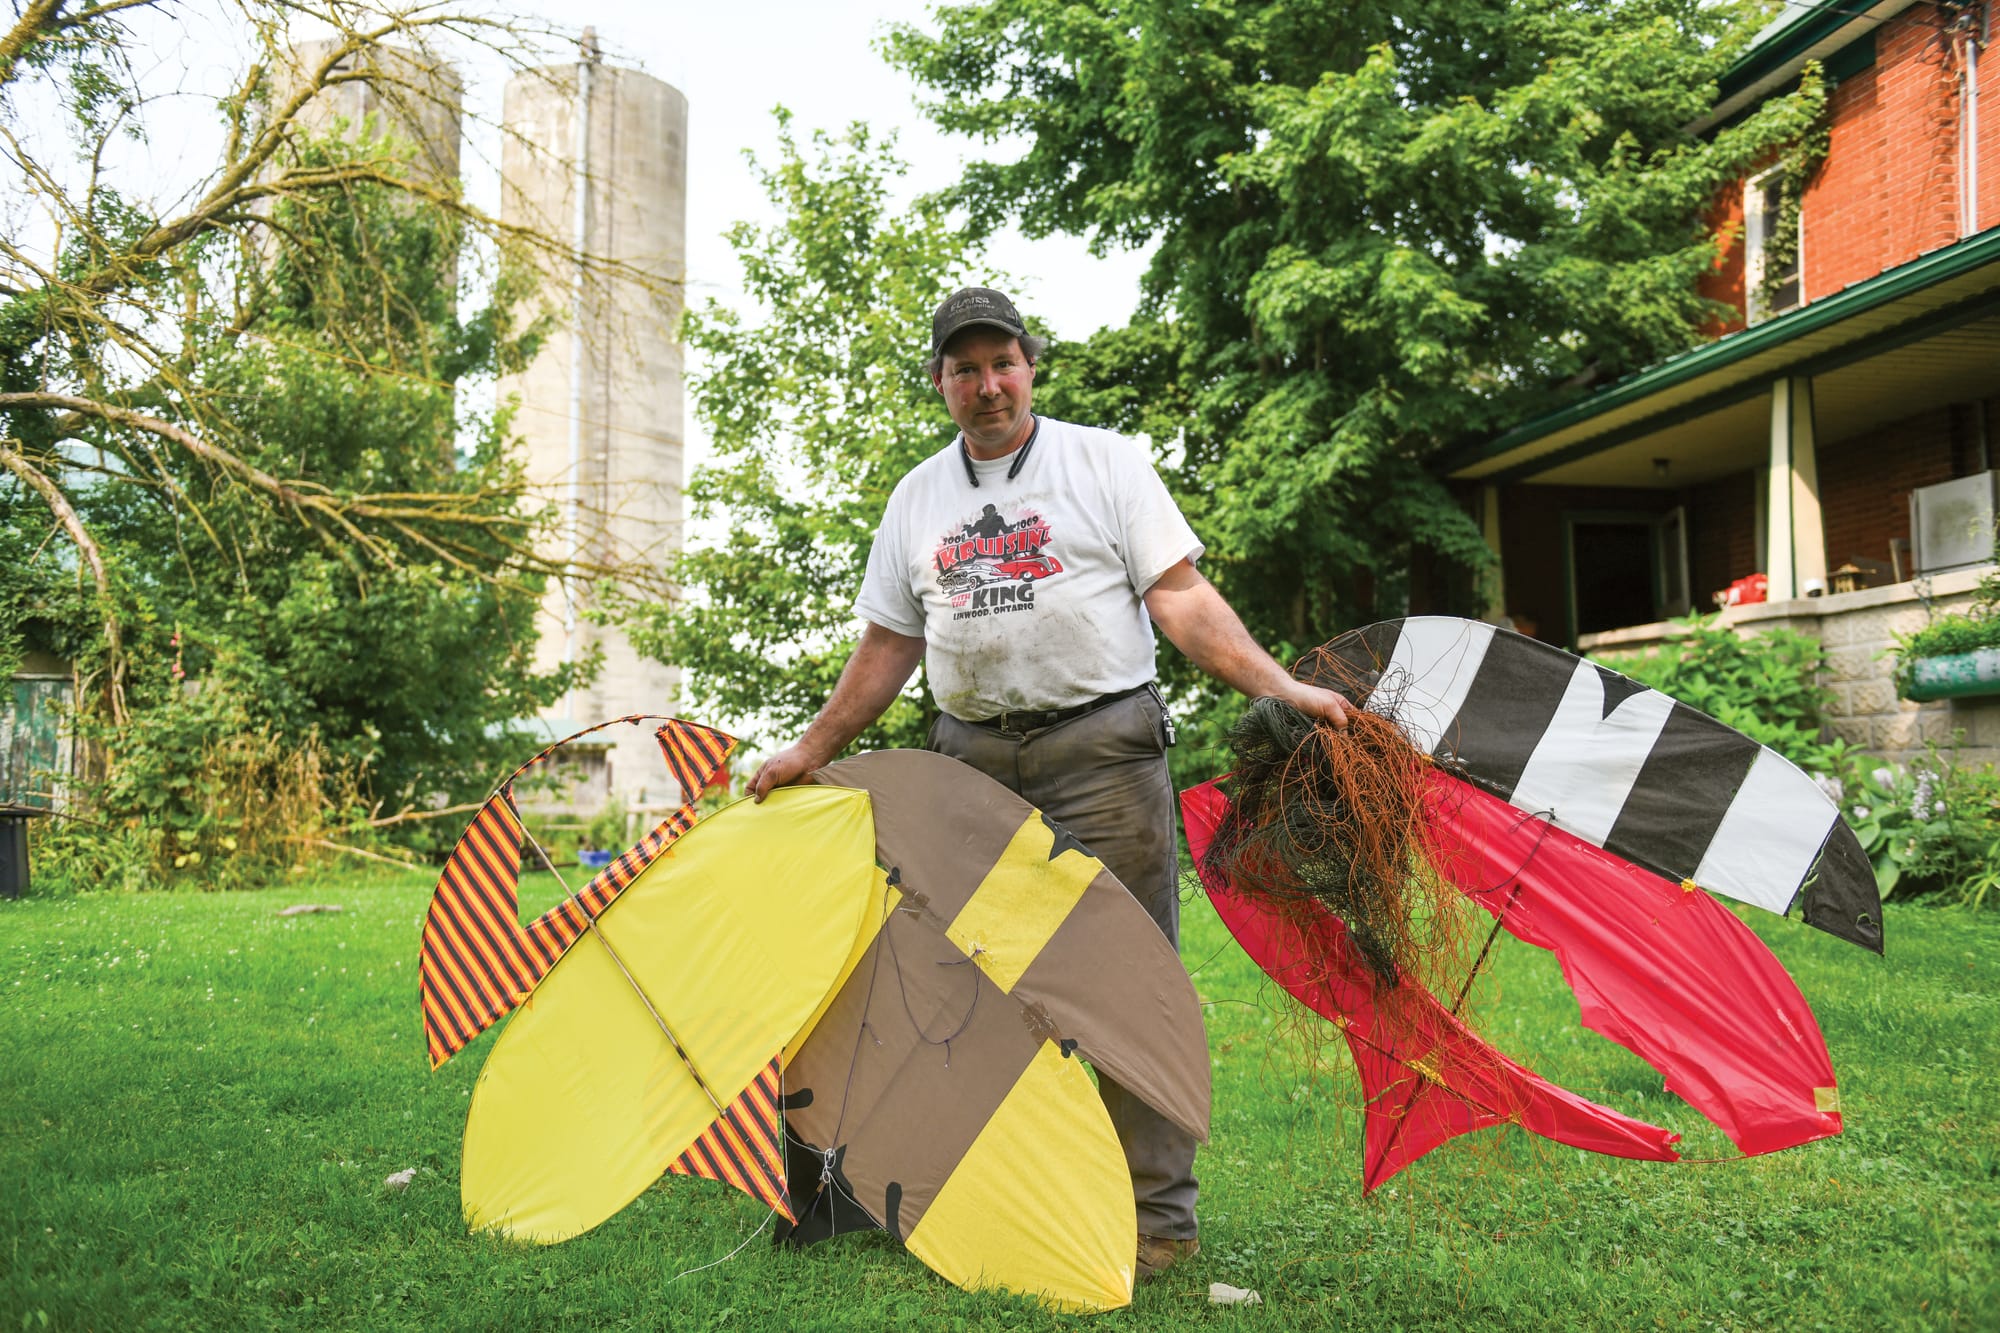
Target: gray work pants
(1103,776)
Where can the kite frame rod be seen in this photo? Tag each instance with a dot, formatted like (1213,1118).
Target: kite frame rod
(1464,989)
(590,923)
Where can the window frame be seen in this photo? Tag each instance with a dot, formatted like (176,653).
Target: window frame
(1757,225)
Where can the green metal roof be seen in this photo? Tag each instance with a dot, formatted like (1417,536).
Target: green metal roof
(1948,285)
(1788,17)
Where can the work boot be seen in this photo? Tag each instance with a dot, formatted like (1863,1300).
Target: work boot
(1159,1253)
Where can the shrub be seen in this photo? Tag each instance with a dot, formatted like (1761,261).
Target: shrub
(1929,827)
(1766,686)
(195,792)
(76,854)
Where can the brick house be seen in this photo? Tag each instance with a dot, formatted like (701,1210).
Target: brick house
(1791,443)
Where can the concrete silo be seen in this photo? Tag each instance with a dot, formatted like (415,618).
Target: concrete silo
(597,155)
(385,91)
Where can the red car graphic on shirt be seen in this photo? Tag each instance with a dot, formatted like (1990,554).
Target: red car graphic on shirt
(1027,568)
(963,578)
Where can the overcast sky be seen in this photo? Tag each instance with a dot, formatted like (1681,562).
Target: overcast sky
(734,62)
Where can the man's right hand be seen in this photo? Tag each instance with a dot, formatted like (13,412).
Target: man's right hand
(882,661)
(792,764)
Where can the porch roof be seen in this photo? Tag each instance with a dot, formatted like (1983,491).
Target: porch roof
(1934,319)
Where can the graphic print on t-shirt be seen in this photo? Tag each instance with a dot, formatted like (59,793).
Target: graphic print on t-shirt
(991,565)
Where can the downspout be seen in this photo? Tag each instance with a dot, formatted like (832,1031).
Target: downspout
(580,236)
(1968,123)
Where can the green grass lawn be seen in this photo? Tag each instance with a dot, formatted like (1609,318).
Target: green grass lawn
(201,1101)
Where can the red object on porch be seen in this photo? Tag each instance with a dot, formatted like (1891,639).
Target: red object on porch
(1750,588)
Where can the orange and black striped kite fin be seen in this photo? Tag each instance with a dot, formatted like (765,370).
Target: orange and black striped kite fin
(475,964)
(477,961)
(695,755)
(744,1146)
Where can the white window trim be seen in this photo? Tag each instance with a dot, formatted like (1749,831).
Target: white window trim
(1753,249)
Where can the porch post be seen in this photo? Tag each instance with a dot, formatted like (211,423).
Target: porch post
(1494,585)
(1795,533)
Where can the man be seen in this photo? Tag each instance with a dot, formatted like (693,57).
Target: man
(1023,562)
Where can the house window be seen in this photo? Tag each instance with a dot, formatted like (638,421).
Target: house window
(1765,295)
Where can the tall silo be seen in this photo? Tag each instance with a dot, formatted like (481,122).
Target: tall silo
(384,91)
(405,95)
(598,155)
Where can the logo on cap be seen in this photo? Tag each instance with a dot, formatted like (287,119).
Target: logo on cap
(971,306)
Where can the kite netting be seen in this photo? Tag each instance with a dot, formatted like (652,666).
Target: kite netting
(1335,819)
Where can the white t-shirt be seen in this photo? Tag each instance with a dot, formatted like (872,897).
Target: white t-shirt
(1027,592)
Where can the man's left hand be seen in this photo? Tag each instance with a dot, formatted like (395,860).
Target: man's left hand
(1326,705)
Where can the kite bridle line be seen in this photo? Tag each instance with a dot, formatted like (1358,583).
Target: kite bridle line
(1548,821)
(903,992)
(828,1163)
(828,1157)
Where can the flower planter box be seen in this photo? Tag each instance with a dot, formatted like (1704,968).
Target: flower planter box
(1954,675)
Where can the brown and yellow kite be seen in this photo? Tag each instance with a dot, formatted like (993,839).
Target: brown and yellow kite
(914,963)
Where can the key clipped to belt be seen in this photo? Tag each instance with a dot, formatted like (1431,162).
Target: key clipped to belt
(1166,718)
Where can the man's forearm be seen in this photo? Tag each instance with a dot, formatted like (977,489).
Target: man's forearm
(1223,649)
(873,677)
(1192,614)
(881,665)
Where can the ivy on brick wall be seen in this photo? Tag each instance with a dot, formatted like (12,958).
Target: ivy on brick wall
(1798,166)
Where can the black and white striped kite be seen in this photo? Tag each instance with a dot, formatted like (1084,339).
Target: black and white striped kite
(1614,763)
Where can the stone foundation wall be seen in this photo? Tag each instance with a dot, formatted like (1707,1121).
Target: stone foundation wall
(1858,630)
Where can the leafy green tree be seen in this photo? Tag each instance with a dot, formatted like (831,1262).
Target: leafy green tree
(1382,229)
(240,486)
(324,637)
(817,406)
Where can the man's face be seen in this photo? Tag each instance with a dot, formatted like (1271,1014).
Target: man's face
(988,386)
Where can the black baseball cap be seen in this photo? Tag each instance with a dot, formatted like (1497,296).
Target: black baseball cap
(969,306)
